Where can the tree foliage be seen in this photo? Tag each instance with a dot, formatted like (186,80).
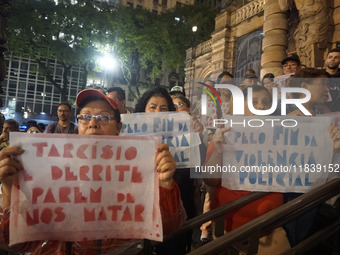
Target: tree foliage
(64,31)
(76,33)
(151,42)
(179,35)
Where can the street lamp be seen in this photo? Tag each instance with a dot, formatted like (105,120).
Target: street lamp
(193,56)
(194,30)
(108,64)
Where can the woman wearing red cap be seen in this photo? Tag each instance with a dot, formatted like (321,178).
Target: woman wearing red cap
(99,115)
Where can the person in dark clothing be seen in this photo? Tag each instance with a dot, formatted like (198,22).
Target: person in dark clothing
(332,63)
(159,100)
(64,125)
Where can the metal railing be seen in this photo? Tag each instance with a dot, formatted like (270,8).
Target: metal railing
(275,218)
(262,225)
(218,212)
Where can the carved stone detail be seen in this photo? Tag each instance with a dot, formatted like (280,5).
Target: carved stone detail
(249,10)
(314,27)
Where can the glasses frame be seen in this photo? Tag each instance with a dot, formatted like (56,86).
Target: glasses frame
(179,105)
(32,131)
(99,118)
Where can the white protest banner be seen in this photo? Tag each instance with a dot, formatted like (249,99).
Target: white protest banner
(213,113)
(336,157)
(175,130)
(272,157)
(281,80)
(208,119)
(281,83)
(335,117)
(77,187)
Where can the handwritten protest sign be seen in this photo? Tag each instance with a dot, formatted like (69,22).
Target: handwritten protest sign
(78,188)
(336,156)
(174,129)
(214,112)
(208,119)
(280,159)
(335,117)
(281,80)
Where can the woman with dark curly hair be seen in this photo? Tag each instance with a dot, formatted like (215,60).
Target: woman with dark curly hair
(159,100)
(155,100)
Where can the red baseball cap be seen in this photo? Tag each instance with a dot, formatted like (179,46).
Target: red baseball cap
(87,95)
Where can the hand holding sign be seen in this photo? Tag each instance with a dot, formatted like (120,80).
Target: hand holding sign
(219,140)
(174,129)
(197,126)
(280,159)
(109,182)
(8,167)
(334,133)
(166,166)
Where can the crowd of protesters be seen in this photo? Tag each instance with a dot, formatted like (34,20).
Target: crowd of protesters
(324,99)
(176,185)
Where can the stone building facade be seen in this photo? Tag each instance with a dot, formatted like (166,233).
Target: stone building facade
(261,33)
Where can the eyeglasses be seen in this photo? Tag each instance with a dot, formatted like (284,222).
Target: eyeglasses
(178,105)
(32,131)
(62,111)
(102,119)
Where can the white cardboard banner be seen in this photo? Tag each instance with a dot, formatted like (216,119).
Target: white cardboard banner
(274,158)
(77,187)
(208,119)
(174,128)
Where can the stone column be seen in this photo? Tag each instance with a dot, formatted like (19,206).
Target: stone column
(275,39)
(221,57)
(336,18)
(189,71)
(232,54)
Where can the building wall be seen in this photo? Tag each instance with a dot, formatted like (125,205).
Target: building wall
(219,54)
(29,93)
(276,26)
